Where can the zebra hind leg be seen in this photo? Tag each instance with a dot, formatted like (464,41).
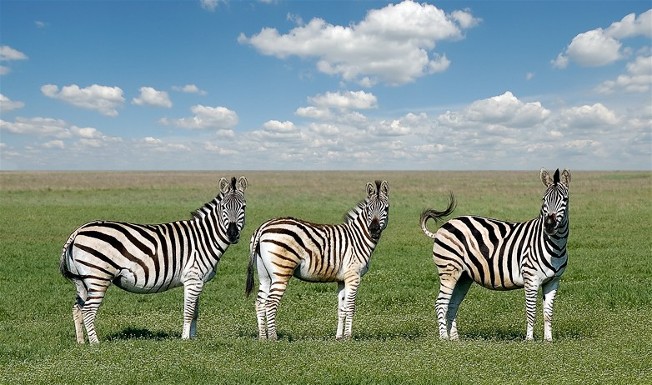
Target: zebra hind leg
(276,291)
(77,315)
(459,292)
(78,319)
(447,283)
(89,310)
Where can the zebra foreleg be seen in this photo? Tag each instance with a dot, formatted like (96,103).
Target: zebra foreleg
(549,291)
(341,312)
(192,287)
(348,295)
(531,289)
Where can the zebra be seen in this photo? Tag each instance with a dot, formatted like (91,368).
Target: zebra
(152,258)
(502,255)
(286,247)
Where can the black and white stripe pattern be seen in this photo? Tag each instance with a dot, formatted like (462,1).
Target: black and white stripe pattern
(152,258)
(286,247)
(502,255)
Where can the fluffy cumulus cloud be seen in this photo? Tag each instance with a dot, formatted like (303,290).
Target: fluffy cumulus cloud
(506,110)
(394,45)
(205,117)
(103,99)
(638,78)
(600,47)
(7,104)
(151,97)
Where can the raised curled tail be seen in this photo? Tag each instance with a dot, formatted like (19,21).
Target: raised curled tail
(436,215)
(253,252)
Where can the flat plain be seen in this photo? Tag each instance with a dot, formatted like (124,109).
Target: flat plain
(602,329)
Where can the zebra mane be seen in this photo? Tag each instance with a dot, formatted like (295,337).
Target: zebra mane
(207,208)
(352,214)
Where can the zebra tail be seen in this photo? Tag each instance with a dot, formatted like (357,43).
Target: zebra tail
(436,215)
(66,256)
(253,252)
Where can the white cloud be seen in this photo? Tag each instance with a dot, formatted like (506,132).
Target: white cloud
(210,5)
(103,99)
(599,47)
(349,100)
(218,118)
(594,116)
(7,104)
(393,44)
(213,148)
(37,126)
(54,144)
(189,89)
(151,97)
(637,79)
(505,109)
(631,26)
(10,54)
(279,127)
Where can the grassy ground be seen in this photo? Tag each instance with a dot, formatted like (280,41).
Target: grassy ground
(602,327)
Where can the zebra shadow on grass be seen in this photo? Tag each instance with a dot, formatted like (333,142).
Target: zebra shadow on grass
(131,333)
(516,335)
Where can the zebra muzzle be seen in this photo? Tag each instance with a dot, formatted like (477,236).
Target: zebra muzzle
(374,229)
(232,233)
(550,223)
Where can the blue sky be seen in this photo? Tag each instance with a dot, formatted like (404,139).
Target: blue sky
(285,85)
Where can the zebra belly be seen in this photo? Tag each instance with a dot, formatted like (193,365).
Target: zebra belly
(305,273)
(128,281)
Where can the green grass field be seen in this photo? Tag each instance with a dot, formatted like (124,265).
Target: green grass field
(603,311)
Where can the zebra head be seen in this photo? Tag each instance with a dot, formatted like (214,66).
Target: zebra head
(232,207)
(554,210)
(377,208)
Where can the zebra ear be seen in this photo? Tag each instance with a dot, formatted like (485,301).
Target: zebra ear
(371,190)
(225,186)
(384,189)
(545,177)
(242,184)
(565,178)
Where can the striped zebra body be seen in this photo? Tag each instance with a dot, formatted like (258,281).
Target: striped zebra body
(502,255)
(152,258)
(286,247)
